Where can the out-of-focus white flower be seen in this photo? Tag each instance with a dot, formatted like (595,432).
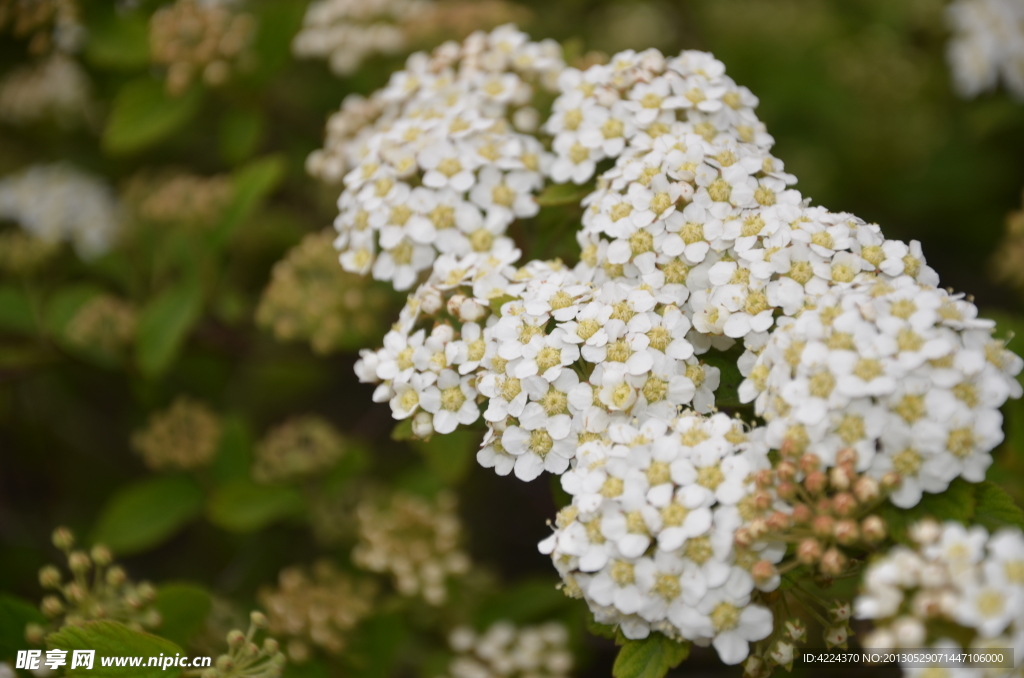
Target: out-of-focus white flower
(987,46)
(61,203)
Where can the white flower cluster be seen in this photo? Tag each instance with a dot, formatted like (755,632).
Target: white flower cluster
(504,650)
(953,577)
(347,32)
(691,240)
(55,88)
(60,203)
(441,171)
(987,45)
(648,540)
(904,374)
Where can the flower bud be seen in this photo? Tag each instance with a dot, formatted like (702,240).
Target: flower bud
(225,664)
(890,481)
(808,551)
(844,504)
(472,310)
(839,610)
(145,592)
(866,489)
(846,532)
(833,562)
(779,521)
(763,572)
(846,457)
(271,646)
(815,482)
(810,462)
(762,500)
(782,654)
(430,300)
(743,538)
(764,478)
(758,528)
(52,607)
(49,577)
(836,636)
(873,529)
(63,538)
(422,425)
(925,531)
(802,514)
(74,593)
(79,562)
(795,630)
(787,490)
(786,470)
(235,639)
(823,526)
(755,667)
(101,555)
(258,619)
(35,634)
(839,478)
(115,576)
(455,304)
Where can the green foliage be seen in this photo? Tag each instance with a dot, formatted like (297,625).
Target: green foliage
(16,312)
(145,513)
(144,114)
(994,508)
(252,183)
(15,614)
(450,456)
(163,325)
(119,41)
(243,506)
(111,639)
(984,504)
(651,657)
(183,609)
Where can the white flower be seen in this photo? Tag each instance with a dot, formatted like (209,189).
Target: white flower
(452,401)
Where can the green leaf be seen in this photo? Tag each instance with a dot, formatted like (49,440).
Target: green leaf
(144,514)
(529,602)
(727,394)
(163,325)
(449,455)
(244,506)
(111,639)
(144,114)
(376,647)
(252,183)
(956,503)
(15,614)
(16,310)
(402,431)
(62,305)
(234,454)
(119,41)
(183,609)
(651,657)
(563,194)
(240,134)
(994,508)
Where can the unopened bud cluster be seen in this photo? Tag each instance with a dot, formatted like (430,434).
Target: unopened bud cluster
(415,540)
(297,449)
(57,88)
(45,24)
(104,325)
(505,650)
(97,589)
(246,658)
(311,298)
(198,40)
(184,436)
(22,255)
(315,609)
(187,199)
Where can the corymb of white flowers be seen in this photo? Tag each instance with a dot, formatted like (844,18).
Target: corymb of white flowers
(704,281)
